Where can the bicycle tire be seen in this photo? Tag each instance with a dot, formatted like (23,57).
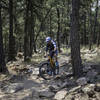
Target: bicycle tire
(42,74)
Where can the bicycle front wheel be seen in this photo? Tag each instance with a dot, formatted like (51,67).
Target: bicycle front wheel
(45,71)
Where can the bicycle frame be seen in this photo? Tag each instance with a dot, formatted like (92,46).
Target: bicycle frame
(51,61)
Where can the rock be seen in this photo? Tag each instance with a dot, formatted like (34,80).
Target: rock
(35,71)
(97,78)
(46,94)
(60,95)
(20,55)
(81,97)
(30,71)
(31,98)
(69,97)
(97,95)
(28,94)
(91,75)
(53,88)
(9,63)
(86,68)
(97,87)
(13,88)
(58,77)
(82,81)
(89,89)
(68,83)
(28,66)
(84,97)
(74,89)
(65,84)
(16,78)
(32,95)
(17,64)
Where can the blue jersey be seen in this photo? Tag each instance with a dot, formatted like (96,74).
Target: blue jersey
(51,46)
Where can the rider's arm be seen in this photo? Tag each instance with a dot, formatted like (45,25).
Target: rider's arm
(55,47)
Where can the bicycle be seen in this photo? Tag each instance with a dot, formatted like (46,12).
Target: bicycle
(48,69)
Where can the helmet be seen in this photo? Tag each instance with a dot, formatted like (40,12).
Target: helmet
(48,39)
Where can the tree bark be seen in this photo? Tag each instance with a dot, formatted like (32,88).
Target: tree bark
(90,29)
(75,40)
(32,35)
(58,33)
(12,52)
(98,37)
(27,35)
(95,23)
(84,38)
(51,25)
(2,56)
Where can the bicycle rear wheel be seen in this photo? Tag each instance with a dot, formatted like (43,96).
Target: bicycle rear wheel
(45,71)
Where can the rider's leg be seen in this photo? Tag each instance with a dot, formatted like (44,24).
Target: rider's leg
(51,63)
(56,62)
(56,58)
(52,54)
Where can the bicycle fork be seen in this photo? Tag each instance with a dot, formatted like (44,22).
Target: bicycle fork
(52,65)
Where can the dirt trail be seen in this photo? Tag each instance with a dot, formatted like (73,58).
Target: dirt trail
(29,82)
(24,83)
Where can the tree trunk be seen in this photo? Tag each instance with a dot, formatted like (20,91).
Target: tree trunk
(51,25)
(16,27)
(90,30)
(26,36)
(11,53)
(20,45)
(58,33)
(2,57)
(84,38)
(32,42)
(66,37)
(5,44)
(98,37)
(75,39)
(95,23)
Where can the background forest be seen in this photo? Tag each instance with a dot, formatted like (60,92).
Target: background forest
(74,25)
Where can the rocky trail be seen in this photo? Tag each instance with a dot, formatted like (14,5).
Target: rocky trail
(24,82)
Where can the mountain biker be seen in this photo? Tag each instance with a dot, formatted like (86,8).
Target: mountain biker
(51,47)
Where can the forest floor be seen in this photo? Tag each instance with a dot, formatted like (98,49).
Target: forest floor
(24,83)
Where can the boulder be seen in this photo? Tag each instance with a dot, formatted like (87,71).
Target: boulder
(46,94)
(60,95)
(20,55)
(53,88)
(82,81)
(68,83)
(35,71)
(81,97)
(89,89)
(97,95)
(75,89)
(97,87)
(13,88)
(97,78)
(91,75)
(69,97)
(86,68)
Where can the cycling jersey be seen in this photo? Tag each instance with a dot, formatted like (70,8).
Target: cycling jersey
(51,46)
